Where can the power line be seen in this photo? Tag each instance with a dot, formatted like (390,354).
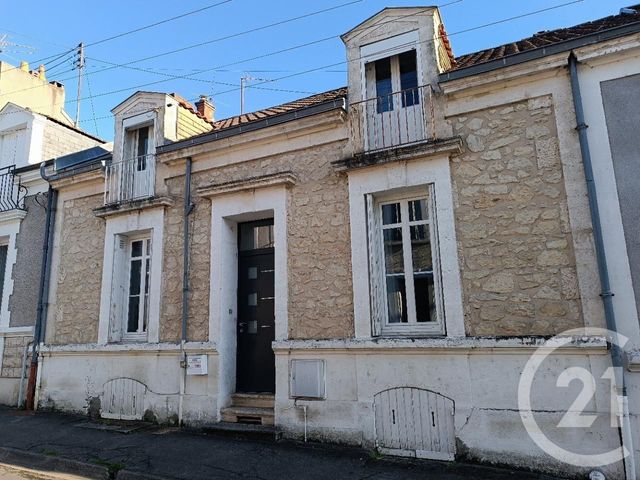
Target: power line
(167,20)
(413,43)
(208,42)
(129,32)
(337,63)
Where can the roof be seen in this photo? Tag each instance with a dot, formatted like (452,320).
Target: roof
(75,129)
(186,104)
(279,109)
(548,38)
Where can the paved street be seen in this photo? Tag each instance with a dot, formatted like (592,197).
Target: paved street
(178,454)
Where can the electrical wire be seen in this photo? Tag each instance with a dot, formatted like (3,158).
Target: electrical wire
(330,65)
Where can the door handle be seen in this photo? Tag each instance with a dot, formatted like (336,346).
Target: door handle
(242,324)
(265,326)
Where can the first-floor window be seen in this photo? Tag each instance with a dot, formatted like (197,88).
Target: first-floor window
(405,274)
(139,265)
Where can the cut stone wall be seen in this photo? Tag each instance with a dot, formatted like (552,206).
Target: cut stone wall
(514,239)
(79,279)
(199,263)
(11,361)
(318,248)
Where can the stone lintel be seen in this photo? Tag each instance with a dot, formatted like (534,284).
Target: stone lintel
(451,145)
(286,179)
(132,206)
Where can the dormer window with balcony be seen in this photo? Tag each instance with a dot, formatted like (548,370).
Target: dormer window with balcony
(133,177)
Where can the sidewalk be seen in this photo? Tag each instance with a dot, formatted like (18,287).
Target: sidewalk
(56,442)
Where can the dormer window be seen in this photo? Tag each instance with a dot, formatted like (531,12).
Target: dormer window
(133,177)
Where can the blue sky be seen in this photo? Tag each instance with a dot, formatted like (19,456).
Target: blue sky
(53,27)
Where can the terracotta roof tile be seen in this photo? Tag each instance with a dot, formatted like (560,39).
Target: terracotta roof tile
(546,38)
(279,109)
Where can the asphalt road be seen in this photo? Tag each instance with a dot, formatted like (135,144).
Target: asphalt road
(179,454)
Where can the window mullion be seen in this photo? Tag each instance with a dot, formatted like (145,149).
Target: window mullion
(408,262)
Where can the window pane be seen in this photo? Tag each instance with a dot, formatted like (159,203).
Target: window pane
(136,248)
(143,141)
(254,237)
(134,311)
(3,266)
(391,214)
(409,78)
(145,316)
(418,210)
(396,299)
(146,277)
(134,278)
(393,257)
(425,297)
(421,248)
(384,88)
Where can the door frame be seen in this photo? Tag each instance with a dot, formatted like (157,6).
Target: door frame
(227,210)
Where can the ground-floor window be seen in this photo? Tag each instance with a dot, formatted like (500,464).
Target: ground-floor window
(139,266)
(405,273)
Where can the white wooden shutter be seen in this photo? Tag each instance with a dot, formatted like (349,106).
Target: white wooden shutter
(376,268)
(118,289)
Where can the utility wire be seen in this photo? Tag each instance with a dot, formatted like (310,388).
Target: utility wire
(208,42)
(93,110)
(167,20)
(337,63)
(129,32)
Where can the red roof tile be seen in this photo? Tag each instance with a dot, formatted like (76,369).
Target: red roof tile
(546,38)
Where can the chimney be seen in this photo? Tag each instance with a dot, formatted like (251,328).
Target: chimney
(205,107)
(24,66)
(41,74)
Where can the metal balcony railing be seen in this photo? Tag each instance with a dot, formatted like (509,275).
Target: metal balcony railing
(129,180)
(397,119)
(12,193)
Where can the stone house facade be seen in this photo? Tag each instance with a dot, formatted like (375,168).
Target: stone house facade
(374,265)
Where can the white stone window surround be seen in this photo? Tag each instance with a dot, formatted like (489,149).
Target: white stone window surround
(118,226)
(376,227)
(396,176)
(227,210)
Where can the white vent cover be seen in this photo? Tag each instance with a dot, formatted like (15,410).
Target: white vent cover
(307,379)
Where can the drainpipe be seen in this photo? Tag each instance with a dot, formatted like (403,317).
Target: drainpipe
(43,294)
(617,355)
(188,209)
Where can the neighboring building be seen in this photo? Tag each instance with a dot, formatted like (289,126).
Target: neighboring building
(31,89)
(26,139)
(372,265)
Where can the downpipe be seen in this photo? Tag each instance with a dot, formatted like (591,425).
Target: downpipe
(617,355)
(188,209)
(43,293)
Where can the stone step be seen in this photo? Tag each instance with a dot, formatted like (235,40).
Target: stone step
(250,415)
(264,400)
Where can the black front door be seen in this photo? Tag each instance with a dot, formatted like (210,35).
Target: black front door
(255,364)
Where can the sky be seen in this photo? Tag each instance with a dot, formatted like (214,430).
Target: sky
(45,30)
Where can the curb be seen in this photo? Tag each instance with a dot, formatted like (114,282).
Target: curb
(130,475)
(37,461)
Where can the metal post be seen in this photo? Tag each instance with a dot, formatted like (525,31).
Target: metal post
(80,66)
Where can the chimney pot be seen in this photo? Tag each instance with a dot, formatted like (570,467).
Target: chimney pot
(41,73)
(205,107)
(24,66)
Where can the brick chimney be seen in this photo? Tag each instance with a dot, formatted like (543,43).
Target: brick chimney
(205,107)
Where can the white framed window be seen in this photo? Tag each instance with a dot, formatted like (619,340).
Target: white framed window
(136,313)
(393,81)
(406,285)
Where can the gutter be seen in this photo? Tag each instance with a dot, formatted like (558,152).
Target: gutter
(541,52)
(617,355)
(188,209)
(43,294)
(253,126)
